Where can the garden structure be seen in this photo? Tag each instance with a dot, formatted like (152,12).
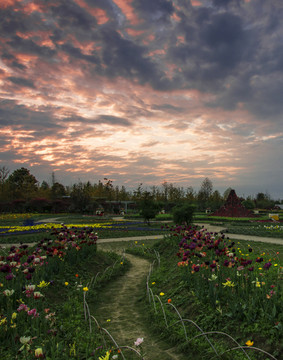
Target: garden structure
(233,207)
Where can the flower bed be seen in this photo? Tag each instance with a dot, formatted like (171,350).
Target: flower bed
(238,283)
(42,298)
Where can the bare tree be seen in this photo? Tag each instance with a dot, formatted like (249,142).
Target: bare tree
(4,172)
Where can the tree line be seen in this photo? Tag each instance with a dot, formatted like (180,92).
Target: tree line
(21,191)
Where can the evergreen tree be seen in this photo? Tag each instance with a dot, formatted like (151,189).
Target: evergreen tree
(22,184)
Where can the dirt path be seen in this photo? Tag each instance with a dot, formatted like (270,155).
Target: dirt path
(213,228)
(124,311)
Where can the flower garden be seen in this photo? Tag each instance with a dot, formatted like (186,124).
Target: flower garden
(228,289)
(239,283)
(30,231)
(44,292)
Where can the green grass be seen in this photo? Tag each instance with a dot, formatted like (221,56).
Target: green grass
(266,230)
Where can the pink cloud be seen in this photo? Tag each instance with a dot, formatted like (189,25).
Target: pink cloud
(30,7)
(7,3)
(127,9)
(98,13)
(196,3)
(134,32)
(176,17)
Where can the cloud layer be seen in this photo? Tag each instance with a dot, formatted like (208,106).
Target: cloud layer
(144,91)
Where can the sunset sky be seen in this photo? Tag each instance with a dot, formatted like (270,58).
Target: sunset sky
(144,91)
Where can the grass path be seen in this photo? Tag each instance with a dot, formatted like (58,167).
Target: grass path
(122,304)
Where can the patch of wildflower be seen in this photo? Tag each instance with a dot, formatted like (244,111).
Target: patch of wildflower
(220,272)
(23,300)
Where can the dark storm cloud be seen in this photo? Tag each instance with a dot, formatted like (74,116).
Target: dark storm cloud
(230,48)
(21,117)
(11,61)
(12,21)
(71,15)
(226,49)
(123,57)
(28,46)
(158,10)
(215,45)
(21,81)
(76,53)
(226,3)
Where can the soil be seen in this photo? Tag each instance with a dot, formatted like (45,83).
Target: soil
(124,310)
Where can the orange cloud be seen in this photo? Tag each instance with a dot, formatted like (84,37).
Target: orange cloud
(7,3)
(196,3)
(175,17)
(133,32)
(128,11)
(31,7)
(41,38)
(99,14)
(157,52)
(149,39)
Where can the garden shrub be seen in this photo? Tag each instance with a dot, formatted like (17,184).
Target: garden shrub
(183,214)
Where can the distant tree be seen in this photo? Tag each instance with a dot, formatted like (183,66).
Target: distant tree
(249,204)
(124,195)
(165,191)
(204,193)
(175,194)
(81,197)
(215,201)
(183,213)
(138,193)
(109,189)
(44,191)
(148,207)
(22,184)
(44,186)
(4,172)
(261,196)
(57,190)
(263,201)
(190,194)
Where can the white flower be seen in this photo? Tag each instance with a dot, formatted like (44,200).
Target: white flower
(25,339)
(8,292)
(30,287)
(138,341)
(213,277)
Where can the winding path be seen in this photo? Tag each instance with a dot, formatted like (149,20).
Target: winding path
(124,310)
